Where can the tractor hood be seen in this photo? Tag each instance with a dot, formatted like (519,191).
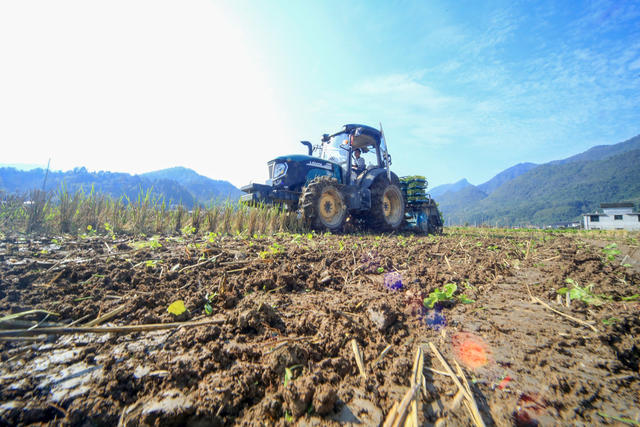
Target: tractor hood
(300,158)
(303,159)
(293,171)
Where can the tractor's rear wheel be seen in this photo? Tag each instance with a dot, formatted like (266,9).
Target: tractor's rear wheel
(387,206)
(322,204)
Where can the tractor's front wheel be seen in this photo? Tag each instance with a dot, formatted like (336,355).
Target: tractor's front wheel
(322,204)
(387,206)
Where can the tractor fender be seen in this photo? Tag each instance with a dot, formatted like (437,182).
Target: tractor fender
(370,177)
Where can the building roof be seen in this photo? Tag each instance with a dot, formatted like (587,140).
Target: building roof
(603,214)
(616,205)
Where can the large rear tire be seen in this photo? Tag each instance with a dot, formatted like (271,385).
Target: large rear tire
(322,204)
(387,206)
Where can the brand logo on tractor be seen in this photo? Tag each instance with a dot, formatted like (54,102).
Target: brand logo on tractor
(320,165)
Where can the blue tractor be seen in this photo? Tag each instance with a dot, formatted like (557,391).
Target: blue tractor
(345,177)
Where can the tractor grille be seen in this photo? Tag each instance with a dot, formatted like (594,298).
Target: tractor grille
(271,166)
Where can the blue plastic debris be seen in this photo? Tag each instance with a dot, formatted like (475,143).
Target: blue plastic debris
(393,281)
(435,319)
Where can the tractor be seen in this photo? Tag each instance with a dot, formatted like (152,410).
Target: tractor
(328,189)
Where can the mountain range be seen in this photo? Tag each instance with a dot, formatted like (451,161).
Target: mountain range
(556,192)
(175,185)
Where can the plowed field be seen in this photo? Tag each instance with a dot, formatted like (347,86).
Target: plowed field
(267,335)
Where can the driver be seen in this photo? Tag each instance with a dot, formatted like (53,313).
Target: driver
(359,165)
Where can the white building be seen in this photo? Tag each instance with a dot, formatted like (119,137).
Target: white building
(615,216)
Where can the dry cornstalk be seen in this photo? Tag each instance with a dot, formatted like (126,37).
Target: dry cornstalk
(213,258)
(359,360)
(80,320)
(435,371)
(447,368)
(526,255)
(26,313)
(581,322)
(391,416)
(52,281)
(418,365)
(398,414)
(456,400)
(416,380)
(403,408)
(448,263)
(110,315)
(475,416)
(382,354)
(544,304)
(472,405)
(106,330)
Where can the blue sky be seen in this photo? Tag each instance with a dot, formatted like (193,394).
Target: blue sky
(463,89)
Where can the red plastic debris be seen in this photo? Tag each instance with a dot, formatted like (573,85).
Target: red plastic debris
(504,382)
(470,349)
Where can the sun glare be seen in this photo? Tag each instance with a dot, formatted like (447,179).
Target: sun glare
(134,86)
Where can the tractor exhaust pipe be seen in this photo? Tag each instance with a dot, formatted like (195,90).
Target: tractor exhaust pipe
(309,146)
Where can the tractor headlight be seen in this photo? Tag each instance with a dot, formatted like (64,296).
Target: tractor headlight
(279,170)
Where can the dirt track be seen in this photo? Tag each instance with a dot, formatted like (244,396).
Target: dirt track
(288,306)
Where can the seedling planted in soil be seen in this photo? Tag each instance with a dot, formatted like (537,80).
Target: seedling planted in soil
(445,295)
(610,251)
(581,294)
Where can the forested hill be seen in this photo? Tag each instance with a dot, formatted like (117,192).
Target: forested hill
(201,187)
(186,187)
(562,192)
(555,192)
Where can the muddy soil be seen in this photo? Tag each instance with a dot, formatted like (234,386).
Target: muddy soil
(279,314)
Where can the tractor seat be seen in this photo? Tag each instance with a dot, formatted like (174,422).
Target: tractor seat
(362,174)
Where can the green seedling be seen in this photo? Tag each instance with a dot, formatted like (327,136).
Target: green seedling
(110,231)
(465,299)
(208,310)
(288,417)
(188,230)
(90,232)
(177,308)
(272,251)
(610,251)
(441,295)
(288,374)
(576,292)
(380,270)
(150,263)
(445,294)
(152,243)
(610,320)
(631,298)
